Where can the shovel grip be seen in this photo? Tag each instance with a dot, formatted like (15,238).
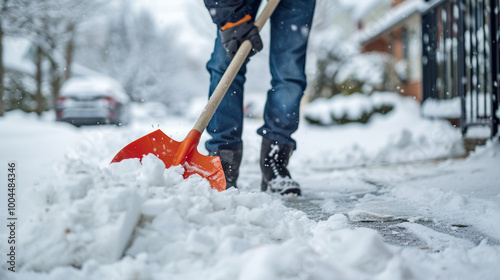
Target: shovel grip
(232,70)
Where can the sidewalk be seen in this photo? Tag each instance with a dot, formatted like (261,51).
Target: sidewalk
(429,204)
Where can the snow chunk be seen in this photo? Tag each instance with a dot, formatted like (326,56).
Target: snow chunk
(361,249)
(436,240)
(276,262)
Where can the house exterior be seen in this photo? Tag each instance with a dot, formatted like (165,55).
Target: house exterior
(398,33)
(446,55)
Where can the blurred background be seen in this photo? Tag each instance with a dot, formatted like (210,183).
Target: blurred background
(443,53)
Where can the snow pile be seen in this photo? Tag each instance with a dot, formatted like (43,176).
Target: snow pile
(85,215)
(92,215)
(135,221)
(441,140)
(398,136)
(449,108)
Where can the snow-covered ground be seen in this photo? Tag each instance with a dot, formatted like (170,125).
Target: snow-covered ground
(380,202)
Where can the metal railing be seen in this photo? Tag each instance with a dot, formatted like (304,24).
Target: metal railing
(461,58)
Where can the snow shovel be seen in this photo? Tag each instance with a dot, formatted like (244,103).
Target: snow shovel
(184,153)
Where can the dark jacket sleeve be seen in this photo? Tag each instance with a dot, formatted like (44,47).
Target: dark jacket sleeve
(224,11)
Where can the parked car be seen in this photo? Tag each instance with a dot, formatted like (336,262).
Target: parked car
(92,100)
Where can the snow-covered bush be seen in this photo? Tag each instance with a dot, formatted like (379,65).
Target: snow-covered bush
(330,54)
(366,73)
(342,109)
(347,72)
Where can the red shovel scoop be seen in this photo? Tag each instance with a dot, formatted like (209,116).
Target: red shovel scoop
(174,153)
(184,153)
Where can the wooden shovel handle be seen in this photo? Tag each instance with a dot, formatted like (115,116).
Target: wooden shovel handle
(232,70)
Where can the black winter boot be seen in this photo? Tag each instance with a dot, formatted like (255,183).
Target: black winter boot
(230,161)
(273,162)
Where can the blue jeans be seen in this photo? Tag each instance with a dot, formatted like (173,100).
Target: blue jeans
(290,25)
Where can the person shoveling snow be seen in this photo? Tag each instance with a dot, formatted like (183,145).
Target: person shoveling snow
(237,39)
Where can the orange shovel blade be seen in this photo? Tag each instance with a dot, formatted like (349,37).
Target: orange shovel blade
(172,153)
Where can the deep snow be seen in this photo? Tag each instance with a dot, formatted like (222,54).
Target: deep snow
(379,203)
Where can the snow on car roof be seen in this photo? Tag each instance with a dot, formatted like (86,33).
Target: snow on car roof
(94,85)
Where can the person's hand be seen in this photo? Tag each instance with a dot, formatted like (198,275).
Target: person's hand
(234,34)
